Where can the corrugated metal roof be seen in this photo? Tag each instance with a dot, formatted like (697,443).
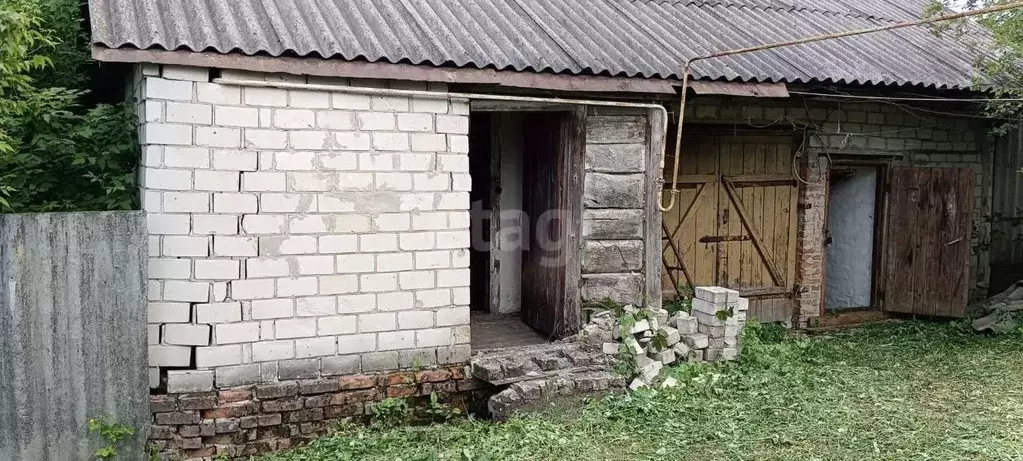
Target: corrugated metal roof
(633,38)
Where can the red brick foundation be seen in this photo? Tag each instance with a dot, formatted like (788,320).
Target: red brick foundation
(251,420)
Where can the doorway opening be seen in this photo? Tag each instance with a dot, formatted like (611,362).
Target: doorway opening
(523,200)
(852,237)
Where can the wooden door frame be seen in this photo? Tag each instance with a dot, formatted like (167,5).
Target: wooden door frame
(883,168)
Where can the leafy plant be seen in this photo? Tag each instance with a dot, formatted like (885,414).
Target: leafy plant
(683,303)
(439,411)
(112,434)
(390,411)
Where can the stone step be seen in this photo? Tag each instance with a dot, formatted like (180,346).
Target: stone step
(507,366)
(533,394)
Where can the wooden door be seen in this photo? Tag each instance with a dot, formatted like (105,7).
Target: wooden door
(551,199)
(735,221)
(927,241)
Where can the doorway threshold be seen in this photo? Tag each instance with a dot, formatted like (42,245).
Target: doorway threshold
(501,331)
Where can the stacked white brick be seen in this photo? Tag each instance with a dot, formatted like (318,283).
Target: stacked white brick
(298,233)
(720,314)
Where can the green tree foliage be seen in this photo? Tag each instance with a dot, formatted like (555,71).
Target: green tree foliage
(55,153)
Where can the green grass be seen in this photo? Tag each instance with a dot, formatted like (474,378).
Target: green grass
(913,391)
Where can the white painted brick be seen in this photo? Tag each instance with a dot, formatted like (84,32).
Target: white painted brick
(453,124)
(186,157)
(427,299)
(266,351)
(297,286)
(369,161)
(152,335)
(394,181)
(155,291)
(460,295)
(264,182)
(263,309)
(338,244)
(315,307)
(266,118)
(218,356)
(391,141)
(219,181)
(311,182)
(417,280)
(160,269)
(315,347)
(414,320)
(219,292)
(217,136)
(435,337)
(339,284)
(196,114)
(291,245)
(452,201)
(158,88)
(152,156)
(370,323)
(295,328)
(458,220)
(351,224)
(376,121)
(235,160)
(267,267)
(429,142)
(433,260)
(196,74)
(354,344)
(309,99)
(174,290)
(314,224)
(416,201)
(394,262)
(378,242)
(460,258)
(170,356)
(154,246)
(415,162)
(454,239)
(350,304)
(432,105)
(460,107)
(397,301)
(461,182)
(246,117)
(169,312)
(286,203)
(355,181)
(430,221)
(458,144)
(286,161)
(432,181)
(315,265)
(215,224)
(274,97)
(417,241)
(186,202)
(390,103)
(395,340)
(351,101)
(161,179)
(252,289)
(415,122)
(266,139)
(235,333)
(335,120)
(352,140)
(355,263)
(294,118)
(392,222)
(453,163)
(218,94)
(339,162)
(234,203)
(180,334)
(218,313)
(453,316)
(310,140)
(174,245)
(376,283)
(336,325)
(453,278)
(335,203)
(234,246)
(264,224)
(218,269)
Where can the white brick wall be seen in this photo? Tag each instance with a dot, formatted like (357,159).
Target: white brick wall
(289,224)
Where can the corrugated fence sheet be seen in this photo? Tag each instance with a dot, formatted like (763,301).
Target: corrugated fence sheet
(633,38)
(72,334)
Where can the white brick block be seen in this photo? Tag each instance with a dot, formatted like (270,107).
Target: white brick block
(427,299)
(395,340)
(416,201)
(218,313)
(352,140)
(174,245)
(415,162)
(246,117)
(315,265)
(309,99)
(339,284)
(154,246)
(339,162)
(287,203)
(315,347)
(397,301)
(430,221)
(310,140)
(371,323)
(152,156)
(264,224)
(417,280)
(355,181)
(155,290)
(376,283)
(435,337)
(355,263)
(152,335)
(432,181)
(162,179)
(266,139)
(297,161)
(433,260)
(378,242)
(292,245)
(336,325)
(196,114)
(394,181)
(311,182)
(415,122)
(180,334)
(158,88)
(267,267)
(453,278)
(391,141)
(338,244)
(297,286)
(394,262)
(458,220)
(170,356)
(262,181)
(351,224)
(316,306)
(216,269)
(460,295)
(369,161)
(174,290)
(215,224)
(294,118)
(234,203)
(169,312)
(461,182)
(390,103)
(186,157)
(414,320)
(186,202)
(266,351)
(454,316)
(219,181)
(354,344)
(218,94)
(235,333)
(454,239)
(218,356)
(376,121)
(160,269)
(432,105)
(453,163)
(196,74)
(460,106)
(273,308)
(460,258)
(453,124)
(429,142)
(218,136)
(235,160)
(219,292)
(295,328)
(417,241)
(252,289)
(234,246)
(335,120)
(351,304)
(453,201)
(314,224)
(335,203)
(275,97)
(350,101)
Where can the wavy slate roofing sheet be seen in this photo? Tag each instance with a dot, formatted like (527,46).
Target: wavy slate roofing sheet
(633,38)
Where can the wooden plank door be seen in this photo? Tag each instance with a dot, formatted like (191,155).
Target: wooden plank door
(927,241)
(551,190)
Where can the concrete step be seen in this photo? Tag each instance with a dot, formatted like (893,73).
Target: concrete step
(513,365)
(534,394)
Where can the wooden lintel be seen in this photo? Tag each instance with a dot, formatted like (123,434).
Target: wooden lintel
(765,293)
(725,238)
(692,180)
(762,180)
